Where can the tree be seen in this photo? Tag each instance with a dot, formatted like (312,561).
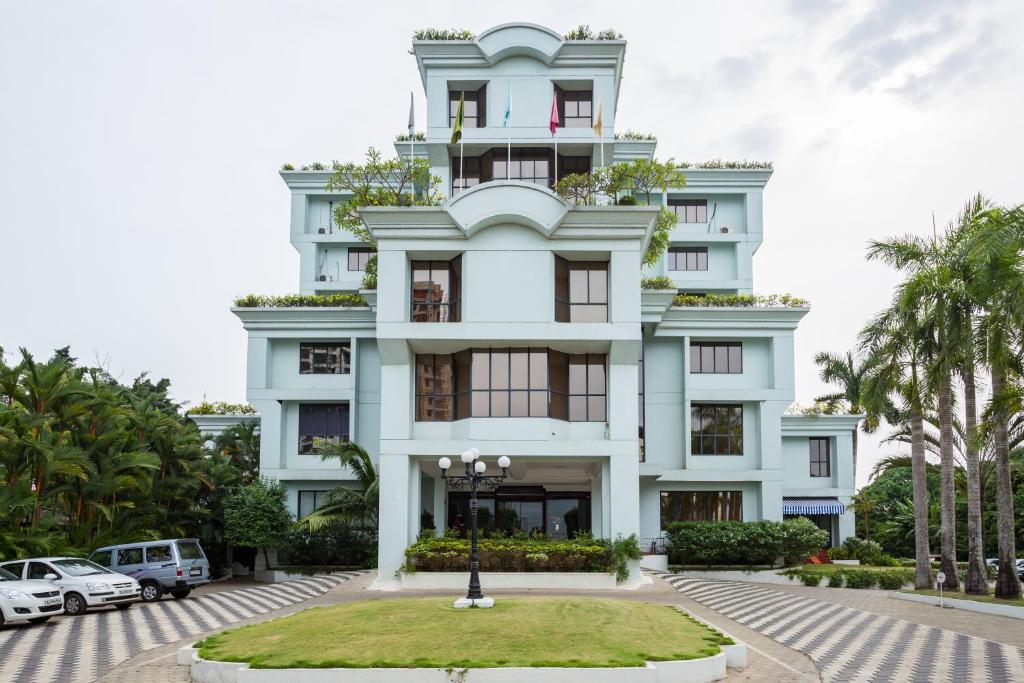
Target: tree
(257,516)
(240,444)
(357,506)
(847,372)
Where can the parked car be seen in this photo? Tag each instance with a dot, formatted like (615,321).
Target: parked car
(84,584)
(32,601)
(174,566)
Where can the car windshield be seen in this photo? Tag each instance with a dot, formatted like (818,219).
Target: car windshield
(7,576)
(189,550)
(80,567)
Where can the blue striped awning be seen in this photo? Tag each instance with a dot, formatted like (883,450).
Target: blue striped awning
(812,506)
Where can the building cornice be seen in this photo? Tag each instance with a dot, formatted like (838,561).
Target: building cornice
(306,318)
(725,177)
(798,424)
(754,318)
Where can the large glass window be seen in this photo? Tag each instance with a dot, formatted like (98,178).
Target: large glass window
(531,165)
(820,460)
(716,429)
(325,358)
(435,290)
(581,291)
(435,387)
(690,210)
(716,358)
(700,506)
(474,112)
(466,173)
(568,165)
(560,514)
(509,383)
(587,397)
(321,424)
(311,500)
(688,258)
(358,257)
(575,108)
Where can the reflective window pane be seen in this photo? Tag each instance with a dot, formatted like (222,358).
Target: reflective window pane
(519,370)
(499,404)
(499,370)
(519,404)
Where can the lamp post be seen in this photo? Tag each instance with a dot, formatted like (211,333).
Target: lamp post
(473,479)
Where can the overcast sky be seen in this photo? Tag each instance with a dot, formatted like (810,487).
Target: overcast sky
(140,142)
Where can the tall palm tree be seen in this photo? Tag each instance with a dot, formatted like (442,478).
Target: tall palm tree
(997,250)
(345,504)
(848,373)
(892,341)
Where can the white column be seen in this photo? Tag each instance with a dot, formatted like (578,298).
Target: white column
(625,495)
(393,513)
(771,500)
(414,505)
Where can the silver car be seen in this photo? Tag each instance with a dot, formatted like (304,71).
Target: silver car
(174,566)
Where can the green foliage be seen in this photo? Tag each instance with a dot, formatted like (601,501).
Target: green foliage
(287,167)
(835,580)
(659,282)
(340,300)
(741,543)
(351,505)
(719,164)
(256,516)
(892,581)
(443,34)
(868,552)
(370,273)
(742,300)
(584,32)
(315,166)
(626,200)
(332,545)
(889,579)
(860,578)
(634,135)
(418,136)
(660,236)
(381,182)
(222,408)
(624,550)
(810,580)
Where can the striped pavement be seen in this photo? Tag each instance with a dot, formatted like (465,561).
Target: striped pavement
(84,648)
(849,644)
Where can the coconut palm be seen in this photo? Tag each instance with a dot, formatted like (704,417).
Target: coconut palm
(848,373)
(345,504)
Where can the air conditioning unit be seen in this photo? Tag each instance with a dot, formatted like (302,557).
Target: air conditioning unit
(725,229)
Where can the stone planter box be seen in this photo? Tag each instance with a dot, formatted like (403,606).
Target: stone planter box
(686,671)
(849,562)
(497,580)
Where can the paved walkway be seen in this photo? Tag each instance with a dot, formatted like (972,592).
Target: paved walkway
(861,644)
(86,647)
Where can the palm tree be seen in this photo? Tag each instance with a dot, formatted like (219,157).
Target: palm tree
(997,251)
(349,505)
(892,341)
(847,372)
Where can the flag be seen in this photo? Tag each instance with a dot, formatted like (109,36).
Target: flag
(457,128)
(554,121)
(598,122)
(508,107)
(412,115)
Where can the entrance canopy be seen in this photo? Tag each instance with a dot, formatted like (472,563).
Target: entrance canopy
(812,506)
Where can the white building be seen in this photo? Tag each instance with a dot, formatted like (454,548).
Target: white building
(510,320)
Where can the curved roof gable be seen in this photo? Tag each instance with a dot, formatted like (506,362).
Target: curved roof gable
(507,201)
(519,39)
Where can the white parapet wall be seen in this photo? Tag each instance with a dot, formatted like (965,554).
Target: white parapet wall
(702,670)
(492,580)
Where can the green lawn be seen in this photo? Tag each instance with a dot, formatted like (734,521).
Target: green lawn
(429,632)
(963,596)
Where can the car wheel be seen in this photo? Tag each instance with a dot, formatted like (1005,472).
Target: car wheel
(39,620)
(182,593)
(123,605)
(151,591)
(1,618)
(74,604)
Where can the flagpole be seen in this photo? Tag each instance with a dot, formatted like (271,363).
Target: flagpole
(412,148)
(508,124)
(462,181)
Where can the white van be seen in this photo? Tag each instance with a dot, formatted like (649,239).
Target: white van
(84,584)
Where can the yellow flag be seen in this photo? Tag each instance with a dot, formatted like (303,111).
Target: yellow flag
(598,123)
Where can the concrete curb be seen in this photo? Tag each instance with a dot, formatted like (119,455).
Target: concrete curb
(1011,611)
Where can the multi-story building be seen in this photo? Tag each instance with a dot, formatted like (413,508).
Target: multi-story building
(510,320)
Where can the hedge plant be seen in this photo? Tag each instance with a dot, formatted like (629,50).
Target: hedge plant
(742,543)
(340,300)
(659,282)
(741,300)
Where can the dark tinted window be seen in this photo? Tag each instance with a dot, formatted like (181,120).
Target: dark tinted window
(311,500)
(690,210)
(16,568)
(435,290)
(189,550)
(581,291)
(159,553)
(587,392)
(320,424)
(688,258)
(39,570)
(575,108)
(716,357)
(127,556)
(716,429)
(700,506)
(324,358)
(466,173)
(435,387)
(474,111)
(101,557)
(820,461)
(358,257)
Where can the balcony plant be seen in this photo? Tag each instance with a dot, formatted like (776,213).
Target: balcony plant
(340,300)
(719,164)
(418,136)
(659,282)
(583,32)
(742,300)
(443,34)
(221,408)
(634,135)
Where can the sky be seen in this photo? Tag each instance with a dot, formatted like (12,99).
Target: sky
(140,142)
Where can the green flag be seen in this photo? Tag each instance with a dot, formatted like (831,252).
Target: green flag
(457,128)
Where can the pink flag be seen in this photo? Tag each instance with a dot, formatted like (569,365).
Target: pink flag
(553,123)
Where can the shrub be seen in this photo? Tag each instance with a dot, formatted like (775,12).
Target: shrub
(627,200)
(342,300)
(584,32)
(222,408)
(660,282)
(742,300)
(443,34)
(894,579)
(868,552)
(860,578)
(838,554)
(514,555)
(835,580)
(744,543)
(719,164)
(811,579)
(331,545)
(635,135)
(800,539)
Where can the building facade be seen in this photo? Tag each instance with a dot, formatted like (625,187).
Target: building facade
(510,320)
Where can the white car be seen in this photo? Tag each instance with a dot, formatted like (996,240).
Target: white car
(84,584)
(33,601)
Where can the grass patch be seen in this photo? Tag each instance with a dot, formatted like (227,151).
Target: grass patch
(429,632)
(960,595)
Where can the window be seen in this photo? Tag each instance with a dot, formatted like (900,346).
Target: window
(531,165)
(38,570)
(716,429)
(325,358)
(716,358)
(466,173)
(474,112)
(159,553)
(575,108)
(435,387)
(569,165)
(189,550)
(15,568)
(700,506)
(310,501)
(820,462)
(129,556)
(640,396)
(102,557)
(509,383)
(581,291)
(358,257)
(690,210)
(586,388)
(435,291)
(320,424)
(688,258)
